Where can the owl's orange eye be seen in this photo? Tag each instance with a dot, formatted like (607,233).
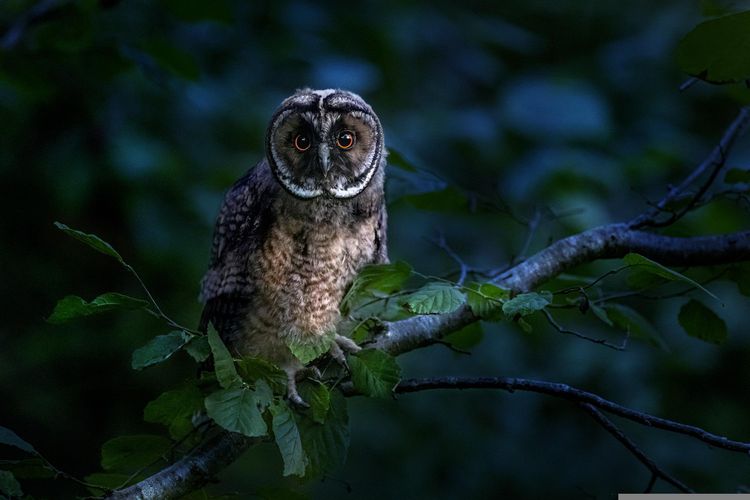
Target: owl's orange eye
(301,143)
(345,139)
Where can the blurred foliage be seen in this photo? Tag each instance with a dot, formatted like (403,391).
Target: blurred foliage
(129,119)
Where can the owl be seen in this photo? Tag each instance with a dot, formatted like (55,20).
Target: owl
(293,233)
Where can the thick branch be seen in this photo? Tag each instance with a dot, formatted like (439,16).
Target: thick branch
(192,471)
(616,240)
(604,242)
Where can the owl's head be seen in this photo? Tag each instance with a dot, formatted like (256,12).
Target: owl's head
(324,143)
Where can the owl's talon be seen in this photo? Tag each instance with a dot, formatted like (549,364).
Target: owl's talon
(310,372)
(338,354)
(346,344)
(291,388)
(296,399)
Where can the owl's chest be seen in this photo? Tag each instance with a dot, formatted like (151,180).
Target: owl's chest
(302,273)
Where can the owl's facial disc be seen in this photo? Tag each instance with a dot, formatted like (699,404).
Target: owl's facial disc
(324,143)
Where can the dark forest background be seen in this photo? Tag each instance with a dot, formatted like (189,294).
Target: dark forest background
(130,119)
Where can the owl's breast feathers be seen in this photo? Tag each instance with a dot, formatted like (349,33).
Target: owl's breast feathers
(280,266)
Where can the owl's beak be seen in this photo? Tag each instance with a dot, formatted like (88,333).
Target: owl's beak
(324,157)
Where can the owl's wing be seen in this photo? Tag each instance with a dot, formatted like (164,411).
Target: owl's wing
(381,242)
(240,229)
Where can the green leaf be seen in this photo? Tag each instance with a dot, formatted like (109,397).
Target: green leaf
(486,300)
(10,438)
(525,325)
(641,279)
(325,444)
(175,409)
(527,303)
(600,313)
(363,329)
(198,348)
(737,176)
(644,263)
(72,306)
(374,373)
(635,324)
(310,347)
(702,323)
(288,439)
(159,349)
(237,410)
(379,280)
(91,240)
(131,453)
(467,337)
(263,394)
(252,369)
(172,58)
(226,373)
(716,50)
(435,298)
(8,484)
(317,395)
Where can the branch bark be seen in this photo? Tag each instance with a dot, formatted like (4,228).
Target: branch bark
(192,471)
(604,242)
(572,394)
(617,240)
(656,471)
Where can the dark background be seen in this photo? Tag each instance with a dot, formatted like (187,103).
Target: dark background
(130,119)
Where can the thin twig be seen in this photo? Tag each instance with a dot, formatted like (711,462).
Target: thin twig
(565,391)
(609,273)
(440,242)
(158,310)
(673,295)
(566,331)
(688,83)
(172,448)
(41,10)
(715,161)
(533,226)
(656,471)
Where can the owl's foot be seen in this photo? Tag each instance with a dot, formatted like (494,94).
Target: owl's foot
(340,346)
(292,375)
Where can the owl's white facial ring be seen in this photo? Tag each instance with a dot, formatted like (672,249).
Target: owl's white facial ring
(319,113)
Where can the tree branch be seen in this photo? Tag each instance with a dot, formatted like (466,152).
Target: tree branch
(192,471)
(604,242)
(656,471)
(715,161)
(617,240)
(565,391)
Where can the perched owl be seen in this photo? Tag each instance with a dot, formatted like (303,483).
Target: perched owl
(295,230)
